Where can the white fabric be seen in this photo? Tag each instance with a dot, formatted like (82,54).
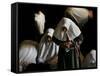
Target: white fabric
(50,32)
(40,20)
(90,59)
(72,30)
(79,14)
(27,55)
(47,50)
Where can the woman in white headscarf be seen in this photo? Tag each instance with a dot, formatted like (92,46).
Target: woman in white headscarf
(66,35)
(82,17)
(27,54)
(48,50)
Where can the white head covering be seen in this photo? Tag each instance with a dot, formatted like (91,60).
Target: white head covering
(50,32)
(79,14)
(40,20)
(27,55)
(72,30)
(47,49)
(93,53)
(90,59)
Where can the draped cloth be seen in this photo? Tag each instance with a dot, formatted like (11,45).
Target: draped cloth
(27,54)
(47,50)
(40,21)
(80,15)
(68,58)
(90,60)
(72,30)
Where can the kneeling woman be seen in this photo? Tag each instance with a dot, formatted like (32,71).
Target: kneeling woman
(67,35)
(48,50)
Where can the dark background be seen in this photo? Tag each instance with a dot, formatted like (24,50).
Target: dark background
(53,13)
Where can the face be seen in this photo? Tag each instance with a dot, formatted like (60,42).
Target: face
(64,29)
(49,38)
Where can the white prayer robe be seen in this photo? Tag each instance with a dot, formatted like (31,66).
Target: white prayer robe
(47,50)
(27,55)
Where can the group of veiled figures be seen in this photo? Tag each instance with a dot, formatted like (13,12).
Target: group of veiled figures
(59,48)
